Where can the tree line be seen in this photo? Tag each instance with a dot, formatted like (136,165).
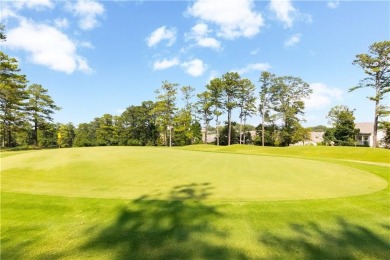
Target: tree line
(26,111)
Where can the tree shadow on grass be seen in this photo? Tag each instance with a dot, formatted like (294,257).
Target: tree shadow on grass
(345,241)
(180,227)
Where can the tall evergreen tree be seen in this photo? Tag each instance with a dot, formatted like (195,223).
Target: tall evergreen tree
(204,107)
(215,87)
(13,95)
(246,102)
(165,109)
(231,82)
(40,107)
(266,80)
(376,65)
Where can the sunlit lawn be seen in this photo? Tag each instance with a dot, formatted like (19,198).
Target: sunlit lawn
(226,203)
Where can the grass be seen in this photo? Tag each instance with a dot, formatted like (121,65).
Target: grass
(113,203)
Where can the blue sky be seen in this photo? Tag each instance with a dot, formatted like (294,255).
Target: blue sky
(98,57)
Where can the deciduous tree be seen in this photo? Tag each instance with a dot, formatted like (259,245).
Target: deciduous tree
(287,98)
(343,121)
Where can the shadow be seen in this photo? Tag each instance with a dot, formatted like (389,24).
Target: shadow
(344,241)
(180,227)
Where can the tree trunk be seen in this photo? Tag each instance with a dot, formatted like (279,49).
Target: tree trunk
(3,135)
(244,128)
(230,127)
(241,126)
(9,138)
(35,132)
(262,131)
(217,126)
(375,134)
(205,133)
(377,94)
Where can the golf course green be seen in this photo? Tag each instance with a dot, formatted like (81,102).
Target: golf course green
(196,202)
(130,172)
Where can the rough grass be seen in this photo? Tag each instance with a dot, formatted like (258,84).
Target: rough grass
(183,221)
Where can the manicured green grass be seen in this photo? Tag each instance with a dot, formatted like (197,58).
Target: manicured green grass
(161,203)
(322,152)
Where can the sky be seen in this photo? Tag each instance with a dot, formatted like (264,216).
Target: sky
(98,57)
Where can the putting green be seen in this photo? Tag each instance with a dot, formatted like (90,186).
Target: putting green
(131,172)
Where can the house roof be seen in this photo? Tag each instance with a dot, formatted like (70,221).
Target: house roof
(365,127)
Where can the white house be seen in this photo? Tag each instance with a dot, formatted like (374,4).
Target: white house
(366,134)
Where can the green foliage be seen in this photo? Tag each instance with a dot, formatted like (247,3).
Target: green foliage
(246,102)
(270,132)
(215,87)
(85,135)
(204,108)
(40,107)
(107,130)
(234,134)
(287,94)
(47,135)
(319,128)
(300,134)
(344,132)
(265,106)
(231,82)
(385,126)
(165,109)
(13,95)
(65,135)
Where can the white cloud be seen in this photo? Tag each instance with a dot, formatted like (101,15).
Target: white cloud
(199,33)
(322,96)
(34,4)
(7,12)
(165,64)
(87,10)
(254,67)
(194,67)
(284,11)
(333,4)
(47,46)
(235,18)
(85,44)
(61,23)
(255,52)
(293,40)
(287,14)
(161,34)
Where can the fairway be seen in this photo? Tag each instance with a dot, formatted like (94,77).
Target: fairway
(133,172)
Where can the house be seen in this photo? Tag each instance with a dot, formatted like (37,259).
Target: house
(365,136)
